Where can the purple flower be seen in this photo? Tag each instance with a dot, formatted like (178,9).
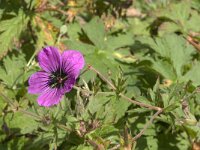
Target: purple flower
(58,75)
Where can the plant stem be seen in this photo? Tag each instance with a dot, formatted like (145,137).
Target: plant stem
(51,8)
(122,95)
(191,40)
(31,59)
(63,127)
(29,113)
(90,92)
(115,147)
(9,101)
(95,145)
(102,77)
(84,71)
(139,103)
(146,126)
(142,131)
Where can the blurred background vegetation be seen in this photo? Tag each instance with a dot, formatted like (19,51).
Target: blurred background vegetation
(149,49)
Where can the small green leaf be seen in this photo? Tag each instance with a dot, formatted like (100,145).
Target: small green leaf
(172,107)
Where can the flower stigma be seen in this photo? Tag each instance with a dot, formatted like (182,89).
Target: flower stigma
(57,79)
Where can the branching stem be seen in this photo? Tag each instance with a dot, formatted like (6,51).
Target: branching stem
(140,104)
(122,95)
(10,102)
(146,126)
(102,77)
(90,92)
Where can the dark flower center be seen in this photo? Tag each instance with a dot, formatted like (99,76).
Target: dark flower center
(57,79)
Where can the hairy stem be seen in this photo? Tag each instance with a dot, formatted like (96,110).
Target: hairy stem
(95,145)
(122,95)
(139,103)
(146,126)
(191,40)
(29,113)
(10,102)
(102,77)
(90,92)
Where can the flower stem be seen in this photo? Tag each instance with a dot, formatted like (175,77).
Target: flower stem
(29,113)
(16,107)
(63,127)
(192,41)
(140,104)
(84,71)
(102,77)
(122,95)
(31,59)
(146,126)
(90,92)
(9,101)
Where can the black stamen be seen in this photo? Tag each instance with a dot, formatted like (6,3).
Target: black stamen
(57,79)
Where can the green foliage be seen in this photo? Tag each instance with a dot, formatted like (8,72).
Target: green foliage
(11,30)
(144,57)
(173,53)
(9,71)
(14,121)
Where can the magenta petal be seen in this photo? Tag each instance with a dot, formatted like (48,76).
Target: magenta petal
(38,82)
(49,59)
(72,62)
(68,84)
(58,75)
(49,98)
